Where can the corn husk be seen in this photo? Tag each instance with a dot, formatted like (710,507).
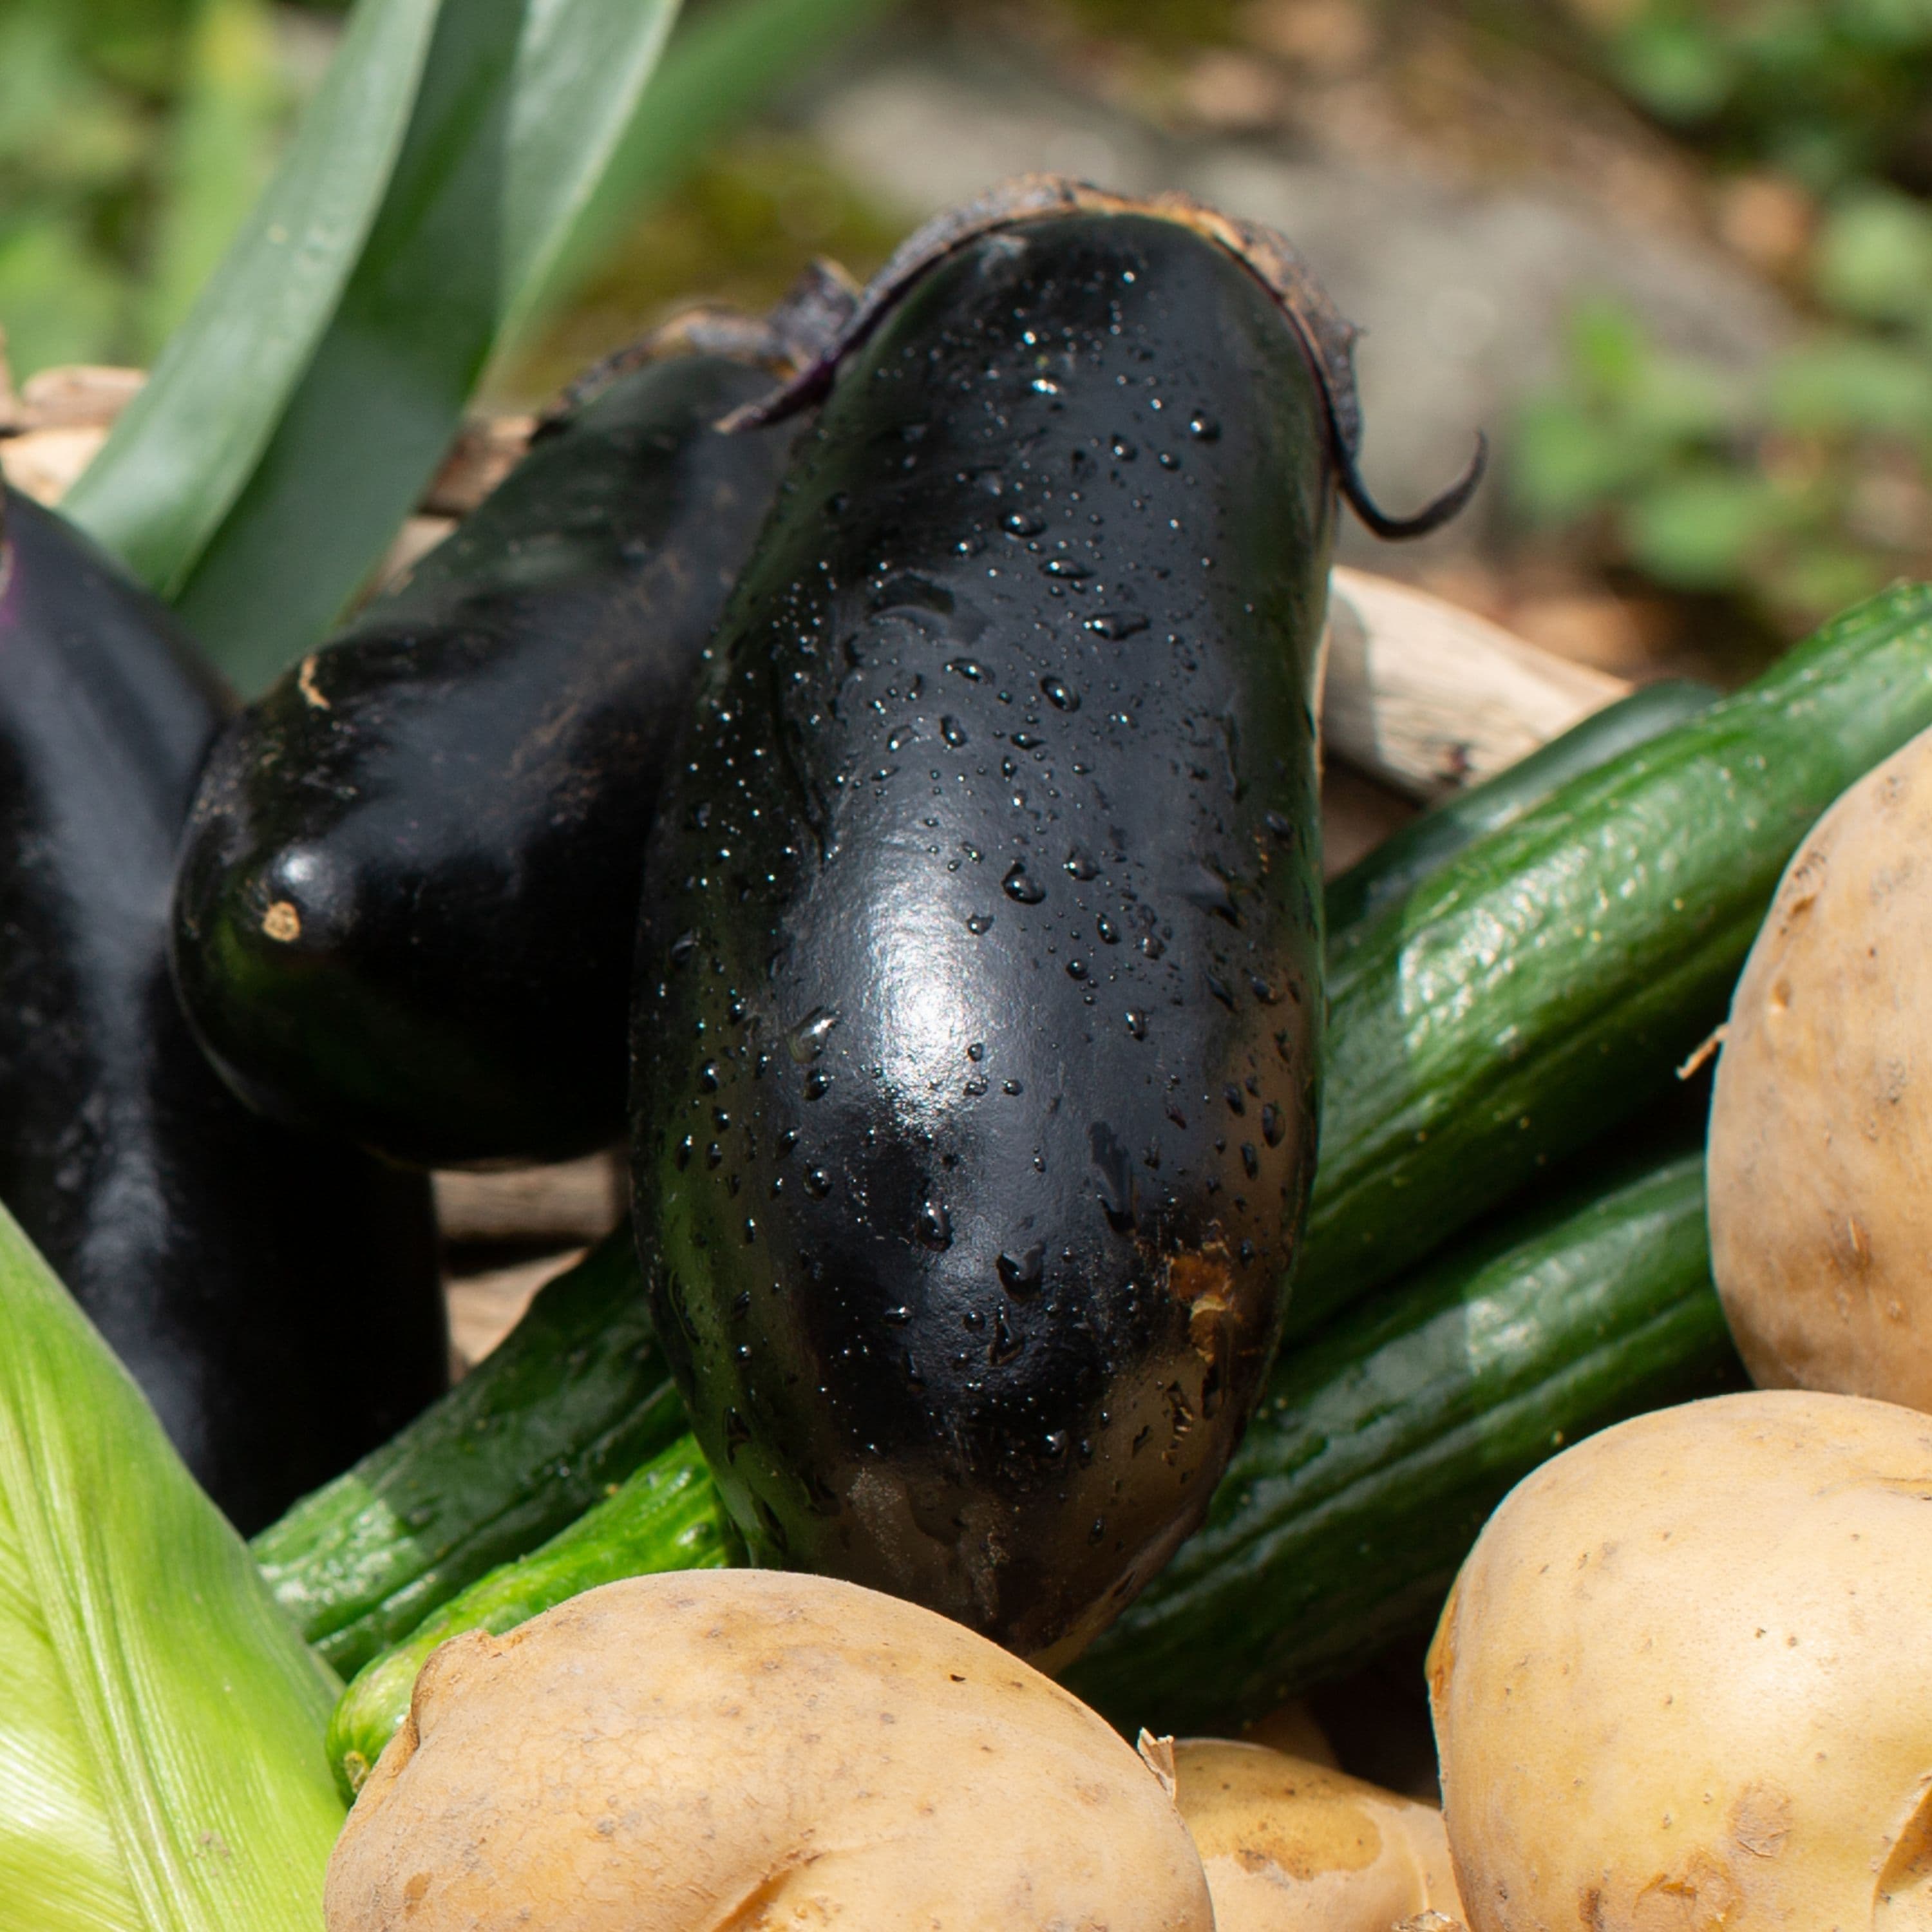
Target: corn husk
(161,1724)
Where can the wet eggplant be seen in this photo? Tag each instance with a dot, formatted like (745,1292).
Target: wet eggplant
(276,1297)
(976,1049)
(407,900)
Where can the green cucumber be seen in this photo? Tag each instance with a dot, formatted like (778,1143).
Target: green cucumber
(1537,990)
(1568,961)
(575,1399)
(1383,1445)
(1402,861)
(668,1517)
(1378,1453)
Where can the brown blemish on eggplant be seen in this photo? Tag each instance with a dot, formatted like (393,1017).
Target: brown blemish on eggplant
(1326,336)
(306,684)
(1203,1284)
(282,922)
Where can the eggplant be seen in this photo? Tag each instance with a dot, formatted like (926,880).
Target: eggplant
(276,1297)
(976,1047)
(407,900)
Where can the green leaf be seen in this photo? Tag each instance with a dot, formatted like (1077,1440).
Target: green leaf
(1674,63)
(1564,461)
(1822,576)
(1679,402)
(1606,347)
(161,1725)
(1697,533)
(58,126)
(1852,383)
(59,299)
(184,448)
(1874,257)
(522,104)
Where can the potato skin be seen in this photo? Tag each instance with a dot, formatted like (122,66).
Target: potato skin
(748,1749)
(1289,1846)
(1821,1123)
(1684,1679)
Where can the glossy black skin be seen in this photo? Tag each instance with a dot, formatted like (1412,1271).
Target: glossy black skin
(277,1298)
(448,804)
(977,1050)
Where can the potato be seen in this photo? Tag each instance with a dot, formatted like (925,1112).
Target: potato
(741,1749)
(1293,1846)
(1684,1679)
(1291,1727)
(1821,1125)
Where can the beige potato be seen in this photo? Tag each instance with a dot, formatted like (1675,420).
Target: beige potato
(1291,1727)
(1684,1679)
(1292,1846)
(1820,1173)
(741,1750)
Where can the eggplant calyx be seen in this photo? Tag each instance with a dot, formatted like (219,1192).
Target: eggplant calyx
(1327,337)
(808,321)
(1266,255)
(1432,516)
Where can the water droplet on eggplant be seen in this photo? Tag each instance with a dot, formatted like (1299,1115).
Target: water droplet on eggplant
(1020,886)
(1021,1274)
(933,1228)
(806,1040)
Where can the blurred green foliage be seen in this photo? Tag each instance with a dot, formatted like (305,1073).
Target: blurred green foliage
(759,204)
(133,135)
(1832,92)
(1801,485)
(1158,23)
(136,134)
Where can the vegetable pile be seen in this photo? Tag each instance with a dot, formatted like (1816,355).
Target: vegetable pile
(889,730)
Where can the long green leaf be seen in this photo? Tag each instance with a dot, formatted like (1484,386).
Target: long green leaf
(181,454)
(522,104)
(161,1724)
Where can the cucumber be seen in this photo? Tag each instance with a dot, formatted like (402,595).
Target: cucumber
(1538,989)
(1384,1445)
(578,1397)
(667,1516)
(1400,862)
(573,1401)
(1379,1453)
